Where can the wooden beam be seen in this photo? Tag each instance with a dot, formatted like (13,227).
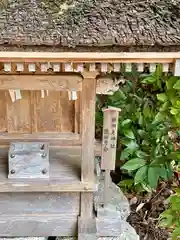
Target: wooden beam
(38,225)
(64,175)
(46,186)
(106,57)
(86,222)
(39,82)
(87,229)
(88,102)
(59,139)
(39,203)
(86,204)
(76,147)
(177,68)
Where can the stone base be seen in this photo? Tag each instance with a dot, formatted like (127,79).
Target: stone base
(110,219)
(100,238)
(23,238)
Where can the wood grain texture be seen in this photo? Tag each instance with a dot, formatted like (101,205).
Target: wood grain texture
(56,225)
(38,225)
(77,114)
(18,114)
(88,102)
(75,148)
(64,174)
(89,57)
(87,205)
(177,68)
(57,139)
(54,113)
(3,115)
(87,229)
(110,127)
(38,82)
(39,203)
(87,165)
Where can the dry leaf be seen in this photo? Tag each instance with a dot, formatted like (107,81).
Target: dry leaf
(141,205)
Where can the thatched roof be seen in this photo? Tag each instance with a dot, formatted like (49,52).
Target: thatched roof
(92,23)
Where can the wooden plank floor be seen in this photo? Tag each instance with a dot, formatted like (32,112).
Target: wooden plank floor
(31,204)
(32,226)
(65,175)
(76,149)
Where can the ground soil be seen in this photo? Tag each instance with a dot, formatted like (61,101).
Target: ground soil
(145,221)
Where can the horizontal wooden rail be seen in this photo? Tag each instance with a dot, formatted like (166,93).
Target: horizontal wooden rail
(64,174)
(54,138)
(135,57)
(46,186)
(56,145)
(46,82)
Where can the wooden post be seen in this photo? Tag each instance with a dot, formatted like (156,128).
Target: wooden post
(177,68)
(108,160)
(88,103)
(86,222)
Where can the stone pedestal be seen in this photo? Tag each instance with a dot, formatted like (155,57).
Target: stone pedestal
(110,219)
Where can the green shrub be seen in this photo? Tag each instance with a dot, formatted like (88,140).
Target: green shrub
(150,109)
(171,217)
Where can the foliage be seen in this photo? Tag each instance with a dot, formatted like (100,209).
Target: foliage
(168,95)
(171,217)
(150,108)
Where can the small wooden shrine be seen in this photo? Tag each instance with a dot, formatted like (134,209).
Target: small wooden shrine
(52,65)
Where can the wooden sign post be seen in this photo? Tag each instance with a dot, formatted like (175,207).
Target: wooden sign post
(108,161)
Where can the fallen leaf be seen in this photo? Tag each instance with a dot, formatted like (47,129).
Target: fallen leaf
(141,205)
(133,201)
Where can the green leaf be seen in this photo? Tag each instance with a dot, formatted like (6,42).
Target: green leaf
(159,72)
(140,120)
(132,146)
(142,133)
(126,122)
(126,183)
(121,94)
(134,164)
(146,111)
(146,187)
(141,154)
(164,107)
(170,82)
(124,154)
(150,79)
(174,111)
(175,202)
(129,134)
(176,233)
(177,85)
(140,174)
(153,176)
(163,173)
(159,117)
(162,97)
(145,142)
(177,190)
(166,219)
(169,171)
(172,96)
